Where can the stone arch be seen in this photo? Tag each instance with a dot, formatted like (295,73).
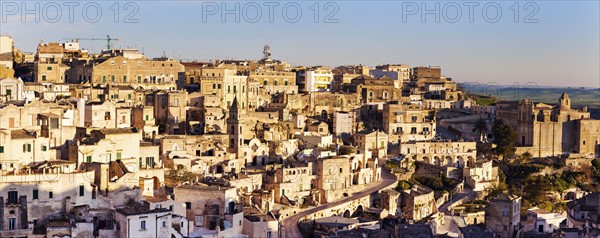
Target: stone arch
(437,161)
(449,161)
(460,162)
(427,159)
(346,214)
(359,210)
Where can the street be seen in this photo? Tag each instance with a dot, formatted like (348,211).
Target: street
(290,223)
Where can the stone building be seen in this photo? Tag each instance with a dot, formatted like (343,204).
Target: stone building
(503,215)
(582,215)
(408,122)
(417,203)
(11,89)
(373,89)
(344,123)
(139,220)
(400,73)
(333,173)
(274,82)
(126,67)
(458,154)
(214,209)
(293,184)
(371,144)
(29,196)
(545,130)
(344,74)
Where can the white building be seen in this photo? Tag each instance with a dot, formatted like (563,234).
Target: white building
(11,89)
(318,79)
(140,220)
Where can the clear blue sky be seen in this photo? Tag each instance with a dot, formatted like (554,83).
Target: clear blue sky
(561,49)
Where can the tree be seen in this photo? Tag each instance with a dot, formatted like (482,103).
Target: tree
(505,138)
(480,126)
(346,150)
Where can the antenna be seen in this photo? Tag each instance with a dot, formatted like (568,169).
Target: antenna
(267,52)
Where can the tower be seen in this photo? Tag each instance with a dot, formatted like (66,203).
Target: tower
(565,101)
(234,128)
(267,53)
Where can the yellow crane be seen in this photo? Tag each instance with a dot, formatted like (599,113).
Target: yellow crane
(108,40)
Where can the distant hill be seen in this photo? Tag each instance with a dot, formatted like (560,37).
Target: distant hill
(579,96)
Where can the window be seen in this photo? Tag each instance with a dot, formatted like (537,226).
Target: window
(143,225)
(1,149)
(228,88)
(13,197)
(36,194)
(81,190)
(49,68)
(505,211)
(104,78)
(164,224)
(112,78)
(118,155)
(43,77)
(505,228)
(124,78)
(176,102)
(265,82)
(54,123)
(44,148)
(147,118)
(139,79)
(26,147)
(198,220)
(50,194)
(12,223)
(150,161)
(188,205)
(285,83)
(88,159)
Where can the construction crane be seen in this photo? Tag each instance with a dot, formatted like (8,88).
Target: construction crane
(107,39)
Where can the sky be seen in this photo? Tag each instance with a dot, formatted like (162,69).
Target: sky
(548,43)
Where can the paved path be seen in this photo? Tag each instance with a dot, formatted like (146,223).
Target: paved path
(466,192)
(452,223)
(290,224)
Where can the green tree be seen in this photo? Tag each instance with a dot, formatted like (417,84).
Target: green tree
(505,138)
(346,150)
(480,126)
(403,185)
